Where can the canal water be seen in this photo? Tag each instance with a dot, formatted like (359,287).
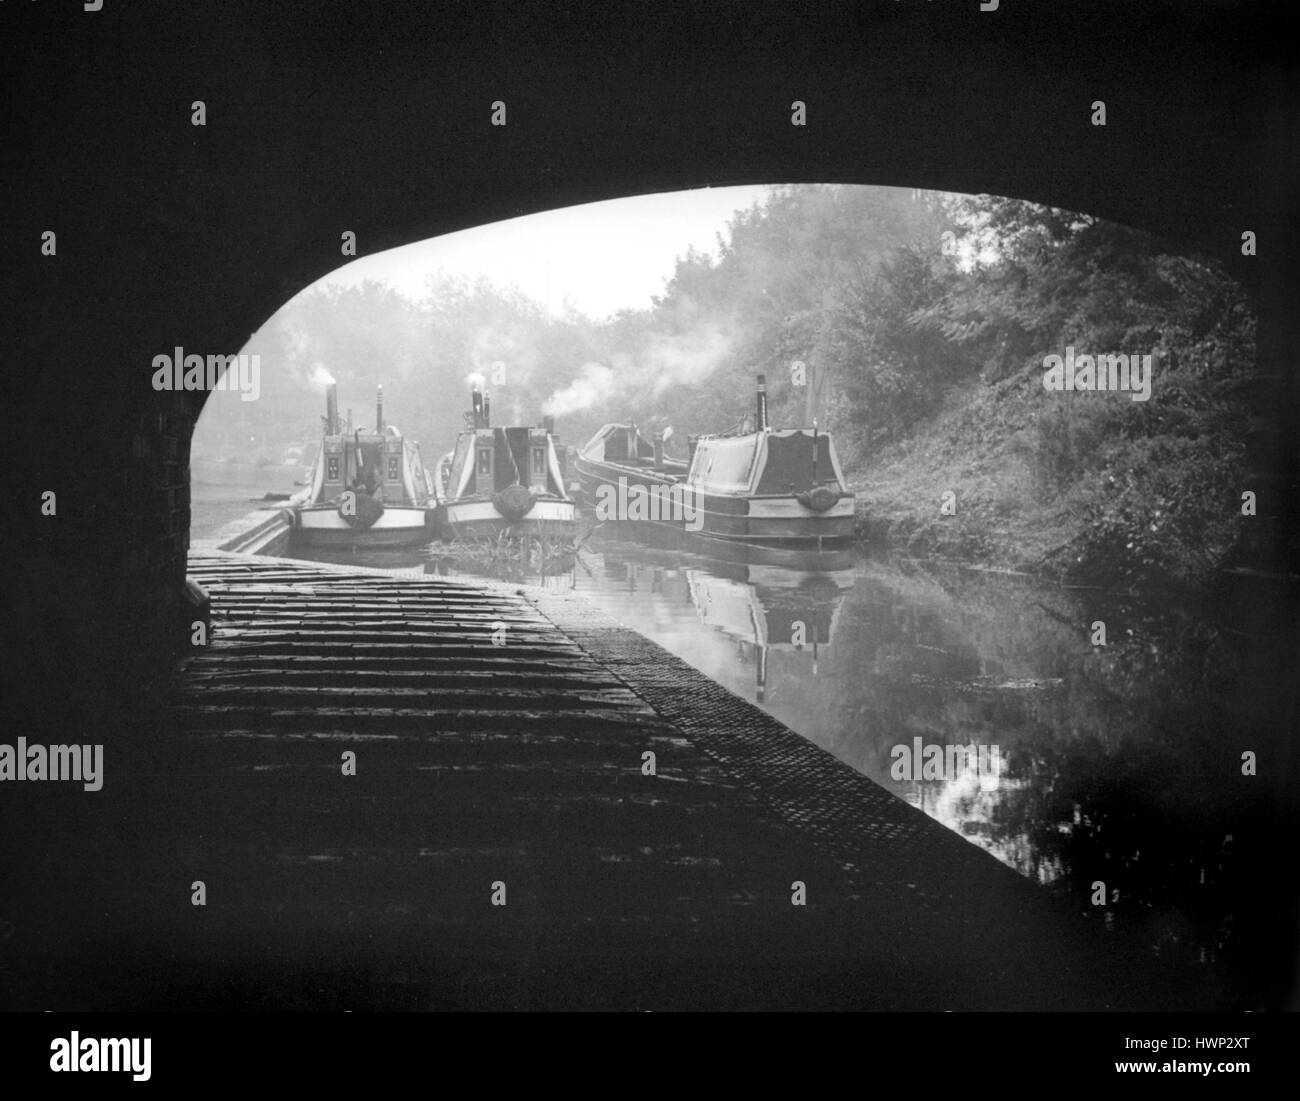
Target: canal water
(1121,782)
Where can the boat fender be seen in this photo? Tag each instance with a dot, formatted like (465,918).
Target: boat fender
(364,512)
(819,500)
(513,502)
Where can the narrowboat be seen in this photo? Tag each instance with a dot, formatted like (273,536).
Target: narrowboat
(619,453)
(766,495)
(367,488)
(505,482)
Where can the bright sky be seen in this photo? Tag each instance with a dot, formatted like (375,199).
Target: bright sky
(603,256)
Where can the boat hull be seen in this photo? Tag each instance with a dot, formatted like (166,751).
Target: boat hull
(399,526)
(779,521)
(773,523)
(593,473)
(830,557)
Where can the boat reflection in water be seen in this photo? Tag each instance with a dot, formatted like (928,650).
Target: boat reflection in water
(773,610)
(763,610)
(548,571)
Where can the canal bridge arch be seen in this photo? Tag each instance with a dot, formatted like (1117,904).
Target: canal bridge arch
(377,121)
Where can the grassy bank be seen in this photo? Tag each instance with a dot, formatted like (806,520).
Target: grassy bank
(1088,487)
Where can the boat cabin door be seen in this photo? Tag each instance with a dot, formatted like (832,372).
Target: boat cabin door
(484,464)
(365,471)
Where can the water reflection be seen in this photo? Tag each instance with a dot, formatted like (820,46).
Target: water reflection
(1122,763)
(743,615)
(551,572)
(790,613)
(547,571)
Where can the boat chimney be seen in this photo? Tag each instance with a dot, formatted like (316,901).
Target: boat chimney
(548,425)
(487,411)
(379,412)
(332,409)
(761,424)
(659,450)
(810,393)
(476,405)
(692,442)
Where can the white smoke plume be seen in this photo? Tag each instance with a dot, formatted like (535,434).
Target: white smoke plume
(297,349)
(595,383)
(680,359)
(298,354)
(685,357)
(509,350)
(319,376)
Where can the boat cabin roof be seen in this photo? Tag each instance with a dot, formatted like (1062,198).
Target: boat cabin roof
(611,444)
(771,463)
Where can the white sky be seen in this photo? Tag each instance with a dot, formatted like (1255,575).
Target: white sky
(603,256)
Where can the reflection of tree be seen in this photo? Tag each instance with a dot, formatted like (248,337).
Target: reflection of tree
(1123,763)
(1119,819)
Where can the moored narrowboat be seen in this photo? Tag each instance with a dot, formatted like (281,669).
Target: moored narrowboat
(761,495)
(619,454)
(367,488)
(505,482)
